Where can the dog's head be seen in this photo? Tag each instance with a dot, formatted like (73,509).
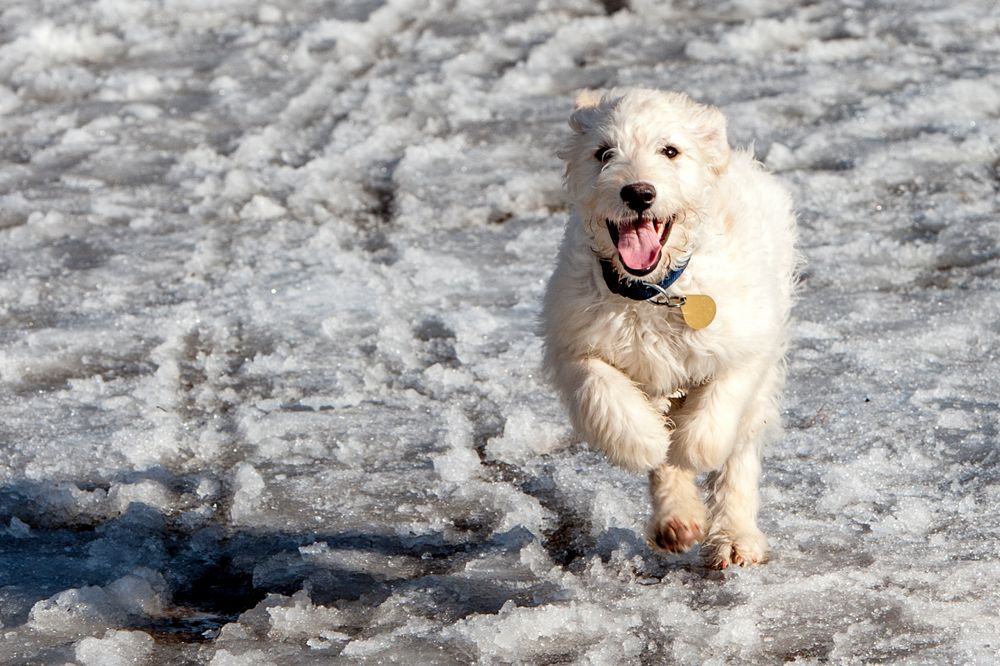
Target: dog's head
(640,169)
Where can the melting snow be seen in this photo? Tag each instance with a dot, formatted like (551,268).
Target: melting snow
(268,365)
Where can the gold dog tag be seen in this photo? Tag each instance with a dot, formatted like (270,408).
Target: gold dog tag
(698,311)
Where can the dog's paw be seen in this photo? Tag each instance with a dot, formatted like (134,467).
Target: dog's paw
(723,549)
(674,535)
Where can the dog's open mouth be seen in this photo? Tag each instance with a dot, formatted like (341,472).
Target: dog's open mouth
(639,242)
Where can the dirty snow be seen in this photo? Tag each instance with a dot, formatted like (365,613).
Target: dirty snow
(268,367)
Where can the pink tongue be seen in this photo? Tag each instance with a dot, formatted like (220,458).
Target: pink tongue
(639,245)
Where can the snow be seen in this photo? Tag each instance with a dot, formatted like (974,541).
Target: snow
(269,373)
(117,648)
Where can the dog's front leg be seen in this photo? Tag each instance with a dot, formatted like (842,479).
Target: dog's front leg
(708,421)
(613,414)
(678,513)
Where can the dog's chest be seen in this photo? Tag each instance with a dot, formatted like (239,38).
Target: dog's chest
(656,349)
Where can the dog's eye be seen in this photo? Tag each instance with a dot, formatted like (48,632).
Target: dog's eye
(604,154)
(670,151)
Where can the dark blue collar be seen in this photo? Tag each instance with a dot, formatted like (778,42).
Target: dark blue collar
(637,290)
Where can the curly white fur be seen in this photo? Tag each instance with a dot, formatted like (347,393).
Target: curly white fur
(618,362)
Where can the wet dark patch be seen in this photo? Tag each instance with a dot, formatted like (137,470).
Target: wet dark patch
(381,189)
(296,407)
(14,153)
(383,195)
(58,375)
(327,586)
(433,328)
(438,342)
(474,523)
(832,164)
(499,216)
(452,598)
(569,540)
(614,6)
(185,626)
(564,542)
(377,243)
(134,171)
(78,255)
(967,252)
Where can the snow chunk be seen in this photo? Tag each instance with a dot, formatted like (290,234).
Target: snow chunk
(460,462)
(249,486)
(526,436)
(73,43)
(303,619)
(533,632)
(140,593)
(457,465)
(956,419)
(248,658)
(759,38)
(911,520)
(77,610)
(738,632)
(87,610)
(262,208)
(8,100)
(134,86)
(18,528)
(269,14)
(147,491)
(780,157)
(117,648)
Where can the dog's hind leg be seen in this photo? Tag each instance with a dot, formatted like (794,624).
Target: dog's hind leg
(612,414)
(678,512)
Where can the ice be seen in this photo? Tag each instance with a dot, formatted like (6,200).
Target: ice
(459,463)
(117,648)
(269,365)
(248,485)
(534,632)
(526,436)
(304,619)
(248,658)
(87,609)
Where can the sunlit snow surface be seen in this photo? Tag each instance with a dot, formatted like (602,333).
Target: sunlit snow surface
(268,366)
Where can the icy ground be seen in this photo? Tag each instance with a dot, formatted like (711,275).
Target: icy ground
(268,371)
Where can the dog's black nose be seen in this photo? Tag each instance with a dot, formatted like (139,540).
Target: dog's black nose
(638,196)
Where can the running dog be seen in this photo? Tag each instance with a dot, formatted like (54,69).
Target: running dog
(666,318)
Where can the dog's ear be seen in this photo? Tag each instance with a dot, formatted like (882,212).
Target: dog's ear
(587,98)
(585,110)
(710,128)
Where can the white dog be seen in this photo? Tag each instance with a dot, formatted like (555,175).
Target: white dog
(671,295)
